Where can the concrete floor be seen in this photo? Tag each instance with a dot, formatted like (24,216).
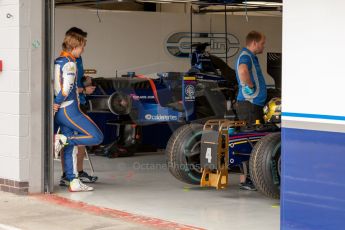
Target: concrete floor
(143,185)
(31,213)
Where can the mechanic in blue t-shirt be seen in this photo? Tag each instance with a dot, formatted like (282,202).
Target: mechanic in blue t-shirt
(252,90)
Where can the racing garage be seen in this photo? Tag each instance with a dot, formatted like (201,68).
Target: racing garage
(156,87)
(151,100)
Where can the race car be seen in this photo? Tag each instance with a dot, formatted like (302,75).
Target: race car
(137,112)
(205,154)
(133,105)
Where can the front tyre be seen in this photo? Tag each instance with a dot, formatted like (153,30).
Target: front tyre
(183,153)
(265,165)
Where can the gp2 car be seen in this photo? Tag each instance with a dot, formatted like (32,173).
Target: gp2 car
(205,154)
(141,110)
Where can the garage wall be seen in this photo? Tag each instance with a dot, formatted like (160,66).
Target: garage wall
(14,95)
(37,95)
(313,137)
(134,41)
(21,93)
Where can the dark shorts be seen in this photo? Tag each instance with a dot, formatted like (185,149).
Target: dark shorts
(249,112)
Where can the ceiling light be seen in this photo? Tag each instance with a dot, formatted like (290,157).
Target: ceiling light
(153,1)
(263,3)
(167,1)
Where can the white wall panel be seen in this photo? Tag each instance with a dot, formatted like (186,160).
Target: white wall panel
(15,103)
(136,41)
(14,81)
(15,94)
(14,59)
(8,2)
(11,146)
(9,103)
(14,125)
(313,57)
(9,38)
(9,15)
(14,168)
(9,168)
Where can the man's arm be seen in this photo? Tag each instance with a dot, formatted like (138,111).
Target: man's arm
(244,75)
(66,82)
(87,87)
(87,90)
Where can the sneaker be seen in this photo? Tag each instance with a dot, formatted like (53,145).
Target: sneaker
(86,178)
(247,185)
(64,181)
(60,142)
(77,186)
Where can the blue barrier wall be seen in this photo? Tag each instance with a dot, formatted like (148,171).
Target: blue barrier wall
(313,121)
(313,182)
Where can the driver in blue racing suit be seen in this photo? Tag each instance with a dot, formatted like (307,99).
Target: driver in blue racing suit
(85,87)
(77,129)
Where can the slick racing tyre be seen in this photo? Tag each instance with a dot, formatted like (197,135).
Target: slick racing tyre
(265,165)
(183,153)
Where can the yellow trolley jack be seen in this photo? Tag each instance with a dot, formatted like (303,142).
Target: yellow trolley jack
(214,157)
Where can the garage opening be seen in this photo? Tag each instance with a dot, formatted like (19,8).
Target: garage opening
(162,112)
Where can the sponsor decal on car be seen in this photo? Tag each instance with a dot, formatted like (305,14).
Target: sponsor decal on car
(190,93)
(160,117)
(142,97)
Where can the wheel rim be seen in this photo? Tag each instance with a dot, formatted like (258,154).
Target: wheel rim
(276,164)
(192,152)
(279,166)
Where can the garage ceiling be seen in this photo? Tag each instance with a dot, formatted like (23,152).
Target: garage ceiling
(128,5)
(200,6)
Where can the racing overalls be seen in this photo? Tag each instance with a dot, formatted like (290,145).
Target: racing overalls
(74,124)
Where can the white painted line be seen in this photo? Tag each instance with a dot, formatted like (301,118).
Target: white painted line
(317,126)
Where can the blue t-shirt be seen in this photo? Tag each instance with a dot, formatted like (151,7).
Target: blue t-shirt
(80,74)
(260,92)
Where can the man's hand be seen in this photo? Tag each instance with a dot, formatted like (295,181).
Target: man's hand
(89,89)
(56,108)
(248,90)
